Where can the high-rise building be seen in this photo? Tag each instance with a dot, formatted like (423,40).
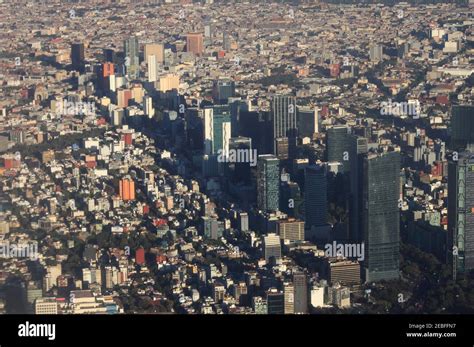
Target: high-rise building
(462,126)
(127,189)
(290,229)
(461,213)
(77,56)
(275,302)
(283,115)
(132,62)
(244,158)
(240,292)
(381,216)
(168,82)
(282,147)
(359,148)
(148,106)
(226,41)
(289,296)
(218,292)
(271,247)
(259,305)
(194,43)
(268,182)
(123,97)
(315,196)
(300,285)
(211,228)
(152,68)
(308,121)
(217,129)
(222,90)
(343,271)
(376,53)
(109,55)
(243,221)
(339,145)
(156,49)
(107,69)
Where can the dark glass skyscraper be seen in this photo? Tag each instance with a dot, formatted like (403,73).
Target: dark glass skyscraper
(381,216)
(77,56)
(315,196)
(268,182)
(462,126)
(339,145)
(359,148)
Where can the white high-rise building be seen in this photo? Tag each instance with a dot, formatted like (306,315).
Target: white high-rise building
(208,130)
(148,106)
(152,68)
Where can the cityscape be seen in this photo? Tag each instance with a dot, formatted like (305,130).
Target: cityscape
(236,157)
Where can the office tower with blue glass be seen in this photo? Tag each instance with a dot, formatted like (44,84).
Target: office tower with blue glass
(217,134)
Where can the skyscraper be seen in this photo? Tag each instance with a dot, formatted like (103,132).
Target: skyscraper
(217,134)
(359,148)
(381,216)
(241,169)
(462,126)
(148,106)
(339,145)
(300,285)
(275,301)
(217,129)
(268,182)
(152,68)
(194,43)
(289,295)
(222,90)
(291,229)
(132,62)
(77,56)
(461,213)
(315,196)
(308,121)
(283,115)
